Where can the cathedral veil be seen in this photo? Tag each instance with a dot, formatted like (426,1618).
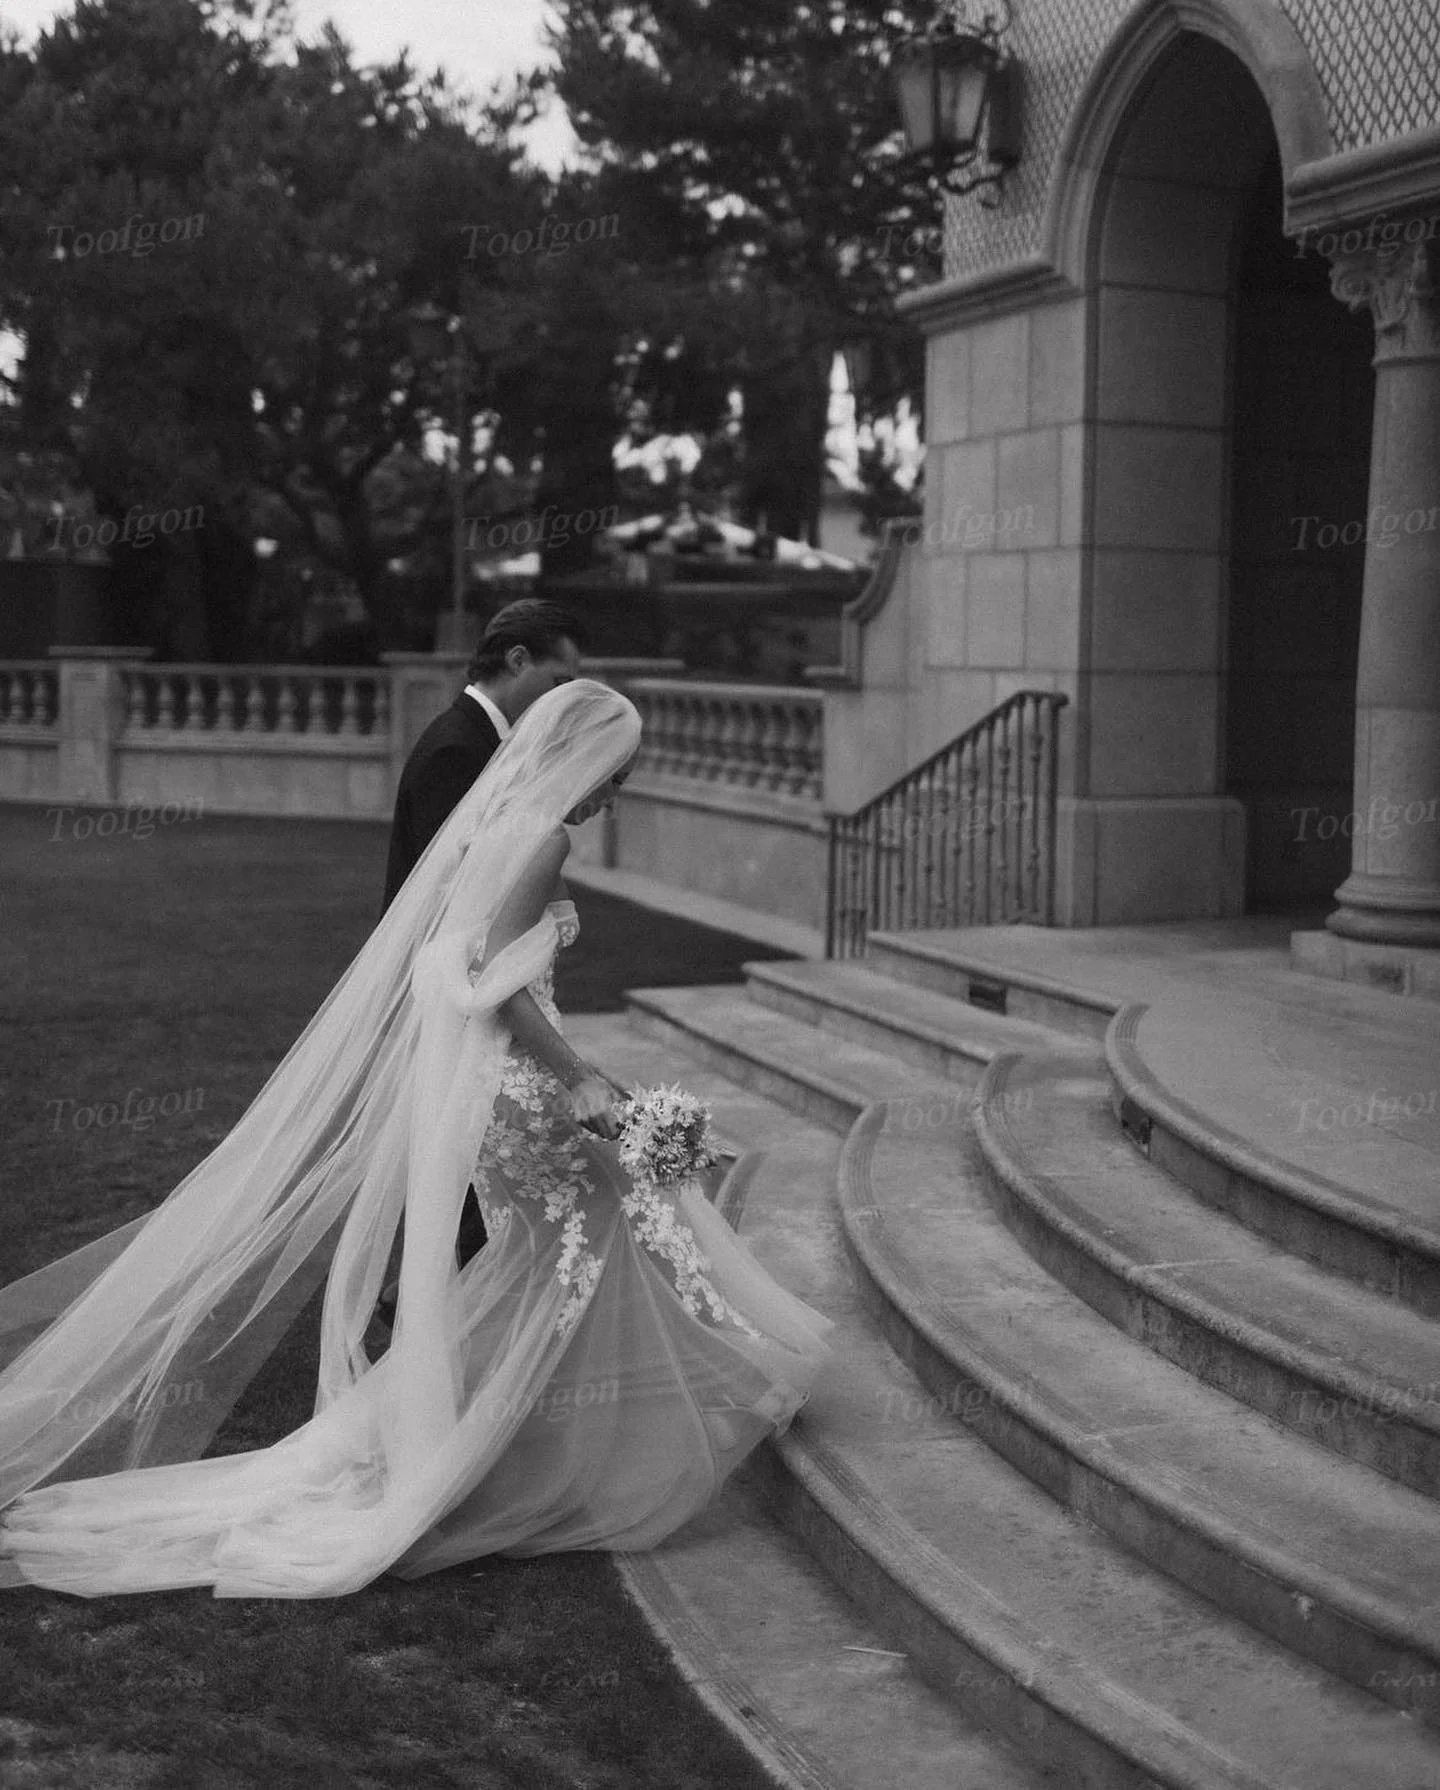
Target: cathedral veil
(130,1352)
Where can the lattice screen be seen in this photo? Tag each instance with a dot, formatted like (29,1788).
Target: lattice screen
(1377,61)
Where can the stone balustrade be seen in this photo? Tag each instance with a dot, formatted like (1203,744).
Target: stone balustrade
(738,736)
(759,737)
(29,695)
(330,700)
(725,799)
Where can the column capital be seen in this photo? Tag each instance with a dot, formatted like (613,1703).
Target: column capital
(1397,282)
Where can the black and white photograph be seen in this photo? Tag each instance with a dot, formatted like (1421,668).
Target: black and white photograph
(719,895)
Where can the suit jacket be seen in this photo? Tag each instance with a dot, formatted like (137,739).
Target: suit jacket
(443,763)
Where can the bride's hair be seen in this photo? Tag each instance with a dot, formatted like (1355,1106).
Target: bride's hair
(131,1351)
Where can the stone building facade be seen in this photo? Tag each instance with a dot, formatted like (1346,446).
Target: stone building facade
(1196,350)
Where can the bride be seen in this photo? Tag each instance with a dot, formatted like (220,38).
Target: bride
(587,1381)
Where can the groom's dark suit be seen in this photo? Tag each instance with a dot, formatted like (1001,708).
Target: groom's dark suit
(443,763)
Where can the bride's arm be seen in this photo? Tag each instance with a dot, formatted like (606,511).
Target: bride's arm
(590,1091)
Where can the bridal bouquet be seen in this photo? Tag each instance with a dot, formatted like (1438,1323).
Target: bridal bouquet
(665,1139)
(666,1136)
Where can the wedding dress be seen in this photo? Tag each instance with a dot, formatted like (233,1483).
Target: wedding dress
(588,1379)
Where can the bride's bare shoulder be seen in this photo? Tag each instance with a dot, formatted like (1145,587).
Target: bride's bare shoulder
(550,858)
(557,850)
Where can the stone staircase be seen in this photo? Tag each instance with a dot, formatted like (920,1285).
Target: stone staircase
(1125,1471)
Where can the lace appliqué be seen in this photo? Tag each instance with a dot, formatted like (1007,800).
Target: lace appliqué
(538,1153)
(540,1161)
(577,1268)
(495,1218)
(665,1234)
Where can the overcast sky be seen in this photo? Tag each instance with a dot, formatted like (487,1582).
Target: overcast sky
(475,41)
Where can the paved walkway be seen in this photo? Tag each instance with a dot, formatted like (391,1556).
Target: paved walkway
(623,945)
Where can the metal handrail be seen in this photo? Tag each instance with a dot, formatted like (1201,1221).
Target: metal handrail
(913,856)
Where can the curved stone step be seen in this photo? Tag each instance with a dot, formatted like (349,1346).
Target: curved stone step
(818,1075)
(776,1650)
(1025,1684)
(785,1661)
(1371,1240)
(933,1031)
(953,969)
(1336,1562)
(1232,1308)
(1109,1673)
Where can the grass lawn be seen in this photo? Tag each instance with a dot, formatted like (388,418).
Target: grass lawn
(184,965)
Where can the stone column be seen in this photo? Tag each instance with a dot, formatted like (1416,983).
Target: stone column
(421,685)
(1392,895)
(91,692)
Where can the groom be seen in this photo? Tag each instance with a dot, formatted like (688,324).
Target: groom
(527,648)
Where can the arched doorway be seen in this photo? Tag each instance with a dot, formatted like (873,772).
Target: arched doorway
(1303,397)
(1210,704)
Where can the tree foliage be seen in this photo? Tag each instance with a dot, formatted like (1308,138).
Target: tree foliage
(212,237)
(760,139)
(258,364)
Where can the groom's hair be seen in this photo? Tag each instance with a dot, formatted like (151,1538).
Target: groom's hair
(533,623)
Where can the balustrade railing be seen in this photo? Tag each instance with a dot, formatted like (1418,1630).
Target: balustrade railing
(29,693)
(254,700)
(765,741)
(967,838)
(760,737)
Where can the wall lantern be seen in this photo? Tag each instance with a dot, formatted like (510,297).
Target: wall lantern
(955,85)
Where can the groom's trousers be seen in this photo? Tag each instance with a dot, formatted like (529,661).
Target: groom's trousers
(470,1239)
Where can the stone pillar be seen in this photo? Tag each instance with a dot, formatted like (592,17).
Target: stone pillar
(91,714)
(421,685)
(1392,896)
(456,635)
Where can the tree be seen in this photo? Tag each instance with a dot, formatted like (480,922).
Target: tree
(103,146)
(256,355)
(586,309)
(760,141)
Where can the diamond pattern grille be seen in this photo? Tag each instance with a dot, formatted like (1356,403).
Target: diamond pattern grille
(1377,62)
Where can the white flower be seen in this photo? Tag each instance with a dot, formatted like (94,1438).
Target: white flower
(666,1136)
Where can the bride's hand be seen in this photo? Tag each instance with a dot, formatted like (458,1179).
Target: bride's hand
(592,1097)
